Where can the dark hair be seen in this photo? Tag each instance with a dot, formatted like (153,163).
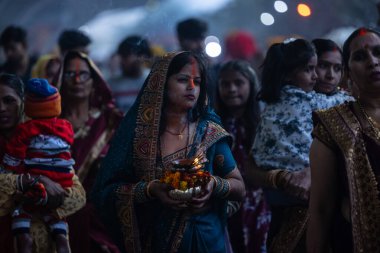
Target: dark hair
(325,45)
(346,46)
(13,34)
(13,82)
(135,45)
(72,39)
(178,62)
(281,60)
(191,28)
(251,115)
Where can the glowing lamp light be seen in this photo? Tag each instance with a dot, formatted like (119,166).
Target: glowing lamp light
(280,6)
(266,18)
(304,10)
(211,38)
(213,49)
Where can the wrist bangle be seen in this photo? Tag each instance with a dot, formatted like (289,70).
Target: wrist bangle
(18,187)
(222,187)
(20,182)
(214,185)
(147,190)
(272,178)
(228,188)
(282,179)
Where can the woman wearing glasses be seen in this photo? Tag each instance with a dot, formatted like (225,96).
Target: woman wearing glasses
(88,104)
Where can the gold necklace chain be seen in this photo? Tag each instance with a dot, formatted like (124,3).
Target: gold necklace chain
(370,121)
(180,134)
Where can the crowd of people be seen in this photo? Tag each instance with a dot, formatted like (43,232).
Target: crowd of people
(289,149)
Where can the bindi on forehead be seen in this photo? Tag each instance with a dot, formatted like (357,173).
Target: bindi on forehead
(362,32)
(194,67)
(77,65)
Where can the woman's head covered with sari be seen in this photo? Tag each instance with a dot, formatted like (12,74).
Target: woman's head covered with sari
(80,70)
(134,149)
(47,67)
(141,126)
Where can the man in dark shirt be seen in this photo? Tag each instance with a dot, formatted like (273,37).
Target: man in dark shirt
(14,43)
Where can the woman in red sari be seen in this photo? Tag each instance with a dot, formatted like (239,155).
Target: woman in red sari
(88,104)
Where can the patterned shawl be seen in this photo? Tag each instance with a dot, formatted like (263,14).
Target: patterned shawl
(346,132)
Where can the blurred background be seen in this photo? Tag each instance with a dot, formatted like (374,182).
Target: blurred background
(107,22)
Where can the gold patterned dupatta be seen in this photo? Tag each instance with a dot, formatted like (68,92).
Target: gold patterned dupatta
(345,130)
(144,154)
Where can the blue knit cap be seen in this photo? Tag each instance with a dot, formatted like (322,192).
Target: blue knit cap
(39,87)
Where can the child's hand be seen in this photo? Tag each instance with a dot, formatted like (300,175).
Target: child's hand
(35,195)
(25,181)
(55,192)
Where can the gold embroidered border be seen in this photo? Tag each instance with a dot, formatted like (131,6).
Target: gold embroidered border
(148,121)
(179,234)
(94,153)
(127,217)
(291,232)
(214,133)
(365,204)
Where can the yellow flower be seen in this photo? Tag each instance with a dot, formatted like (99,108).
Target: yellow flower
(183,185)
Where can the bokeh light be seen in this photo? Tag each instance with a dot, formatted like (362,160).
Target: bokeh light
(280,6)
(267,18)
(211,38)
(304,10)
(213,49)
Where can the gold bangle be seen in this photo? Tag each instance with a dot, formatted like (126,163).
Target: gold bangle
(229,189)
(148,187)
(272,177)
(213,178)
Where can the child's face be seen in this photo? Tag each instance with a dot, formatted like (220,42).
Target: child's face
(306,77)
(233,88)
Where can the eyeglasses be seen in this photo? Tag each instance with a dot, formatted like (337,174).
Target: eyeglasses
(81,76)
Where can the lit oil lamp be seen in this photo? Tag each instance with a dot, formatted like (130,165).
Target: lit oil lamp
(187,177)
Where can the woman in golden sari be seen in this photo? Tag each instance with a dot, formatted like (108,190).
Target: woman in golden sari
(345,168)
(169,120)
(11,114)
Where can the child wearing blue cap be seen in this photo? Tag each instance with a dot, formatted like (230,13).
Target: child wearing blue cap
(40,147)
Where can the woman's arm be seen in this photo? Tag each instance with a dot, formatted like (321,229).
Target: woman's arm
(323,196)
(256,176)
(227,182)
(237,187)
(293,183)
(75,199)
(8,183)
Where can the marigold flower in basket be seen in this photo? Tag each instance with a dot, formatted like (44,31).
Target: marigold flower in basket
(186,178)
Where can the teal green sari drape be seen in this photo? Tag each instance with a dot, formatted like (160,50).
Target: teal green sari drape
(142,225)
